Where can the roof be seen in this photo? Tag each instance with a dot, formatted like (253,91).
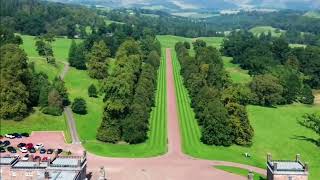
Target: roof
(64,175)
(288,165)
(65,162)
(29,164)
(7,160)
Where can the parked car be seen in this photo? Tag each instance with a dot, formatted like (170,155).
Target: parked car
(42,151)
(1,143)
(25,158)
(6,143)
(37,158)
(29,145)
(60,151)
(44,159)
(25,134)
(21,145)
(2,150)
(23,149)
(49,151)
(10,136)
(38,146)
(1,136)
(32,150)
(11,149)
(17,135)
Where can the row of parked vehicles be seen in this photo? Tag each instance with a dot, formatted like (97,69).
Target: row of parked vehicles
(16,135)
(25,148)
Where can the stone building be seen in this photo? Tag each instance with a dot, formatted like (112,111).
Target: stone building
(61,167)
(286,169)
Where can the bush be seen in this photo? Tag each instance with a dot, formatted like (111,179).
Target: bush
(52,110)
(79,106)
(92,91)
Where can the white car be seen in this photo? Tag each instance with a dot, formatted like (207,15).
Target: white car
(25,158)
(10,136)
(23,149)
(38,146)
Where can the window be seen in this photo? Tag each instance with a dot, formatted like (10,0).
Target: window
(29,173)
(13,173)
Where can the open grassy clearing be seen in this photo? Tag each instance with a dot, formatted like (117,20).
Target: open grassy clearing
(240,171)
(297,45)
(270,137)
(78,82)
(313,14)
(36,121)
(237,74)
(265,29)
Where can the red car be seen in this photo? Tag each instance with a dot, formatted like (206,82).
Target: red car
(37,158)
(29,146)
(44,159)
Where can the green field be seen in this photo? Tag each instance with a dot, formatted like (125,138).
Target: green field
(237,74)
(78,82)
(268,123)
(265,29)
(37,121)
(313,14)
(297,45)
(240,171)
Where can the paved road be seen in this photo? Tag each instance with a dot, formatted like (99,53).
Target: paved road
(67,110)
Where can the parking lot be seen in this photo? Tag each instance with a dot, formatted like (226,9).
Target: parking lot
(50,140)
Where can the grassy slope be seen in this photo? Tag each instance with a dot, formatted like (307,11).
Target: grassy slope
(265,29)
(268,123)
(38,121)
(78,82)
(313,14)
(239,171)
(237,74)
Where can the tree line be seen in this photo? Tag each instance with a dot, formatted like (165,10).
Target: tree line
(22,87)
(218,104)
(282,75)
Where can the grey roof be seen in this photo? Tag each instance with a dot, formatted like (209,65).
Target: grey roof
(63,175)
(65,162)
(28,164)
(7,160)
(288,165)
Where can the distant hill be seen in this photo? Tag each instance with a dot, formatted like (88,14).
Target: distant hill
(176,5)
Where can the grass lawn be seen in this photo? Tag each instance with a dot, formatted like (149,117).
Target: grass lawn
(36,121)
(276,132)
(237,74)
(41,65)
(297,45)
(240,171)
(265,29)
(78,82)
(313,14)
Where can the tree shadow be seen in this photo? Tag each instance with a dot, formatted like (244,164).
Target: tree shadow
(304,138)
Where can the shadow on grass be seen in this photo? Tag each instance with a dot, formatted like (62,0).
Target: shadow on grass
(304,138)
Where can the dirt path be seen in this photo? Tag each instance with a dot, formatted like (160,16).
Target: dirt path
(68,112)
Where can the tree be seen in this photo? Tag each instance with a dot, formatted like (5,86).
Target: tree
(92,91)
(109,130)
(312,121)
(59,85)
(306,95)
(77,56)
(98,66)
(216,129)
(15,76)
(267,90)
(79,106)
(55,106)
(153,59)
(45,49)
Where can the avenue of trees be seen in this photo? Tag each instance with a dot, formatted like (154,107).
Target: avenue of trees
(130,90)
(219,105)
(282,75)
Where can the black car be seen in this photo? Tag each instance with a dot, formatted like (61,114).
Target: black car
(49,151)
(6,143)
(2,150)
(25,134)
(11,149)
(1,143)
(59,151)
(17,135)
(42,151)
(32,150)
(21,145)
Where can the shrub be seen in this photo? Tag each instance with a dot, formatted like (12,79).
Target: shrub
(52,110)
(79,106)
(92,91)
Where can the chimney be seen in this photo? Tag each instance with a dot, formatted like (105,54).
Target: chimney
(275,166)
(250,175)
(297,157)
(269,157)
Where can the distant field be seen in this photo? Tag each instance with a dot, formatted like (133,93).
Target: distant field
(297,45)
(237,74)
(265,29)
(108,22)
(37,121)
(239,171)
(78,82)
(194,14)
(313,14)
